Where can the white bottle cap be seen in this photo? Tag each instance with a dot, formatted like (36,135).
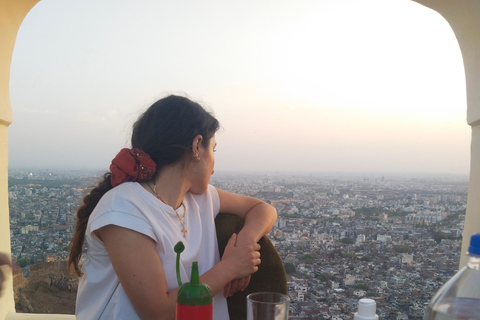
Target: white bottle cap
(366,310)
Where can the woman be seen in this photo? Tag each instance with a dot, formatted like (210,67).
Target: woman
(157,194)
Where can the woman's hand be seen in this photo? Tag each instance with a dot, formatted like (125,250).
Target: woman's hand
(241,261)
(4,260)
(238,284)
(259,219)
(235,286)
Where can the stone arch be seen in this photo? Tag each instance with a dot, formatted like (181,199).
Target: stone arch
(462,15)
(12,14)
(463,19)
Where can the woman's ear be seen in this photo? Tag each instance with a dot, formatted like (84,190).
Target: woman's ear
(196,144)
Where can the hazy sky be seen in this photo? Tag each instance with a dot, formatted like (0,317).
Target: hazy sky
(332,85)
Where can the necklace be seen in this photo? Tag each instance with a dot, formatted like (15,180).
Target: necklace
(181,219)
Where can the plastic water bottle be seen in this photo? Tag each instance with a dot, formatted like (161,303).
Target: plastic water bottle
(366,310)
(459,298)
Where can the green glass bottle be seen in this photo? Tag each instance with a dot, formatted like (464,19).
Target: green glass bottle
(194,299)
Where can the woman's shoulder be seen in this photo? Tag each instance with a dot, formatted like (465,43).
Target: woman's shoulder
(207,199)
(123,206)
(125,190)
(123,197)
(210,192)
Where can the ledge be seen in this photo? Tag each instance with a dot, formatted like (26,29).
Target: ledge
(34,316)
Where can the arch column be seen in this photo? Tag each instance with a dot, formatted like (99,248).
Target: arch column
(463,17)
(12,13)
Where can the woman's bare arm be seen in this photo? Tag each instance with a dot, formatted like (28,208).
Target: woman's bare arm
(259,219)
(259,216)
(140,271)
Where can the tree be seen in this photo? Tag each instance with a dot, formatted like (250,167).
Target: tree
(362,286)
(289,268)
(438,236)
(23,262)
(325,276)
(308,258)
(402,249)
(366,258)
(347,241)
(350,255)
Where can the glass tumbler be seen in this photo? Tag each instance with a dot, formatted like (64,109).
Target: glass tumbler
(267,306)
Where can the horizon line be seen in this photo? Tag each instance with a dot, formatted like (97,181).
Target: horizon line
(253,171)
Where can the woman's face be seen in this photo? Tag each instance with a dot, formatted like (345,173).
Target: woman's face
(204,168)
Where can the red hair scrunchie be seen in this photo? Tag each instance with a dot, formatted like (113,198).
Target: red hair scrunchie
(131,165)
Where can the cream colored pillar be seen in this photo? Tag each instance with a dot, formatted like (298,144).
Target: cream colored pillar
(12,13)
(472,219)
(464,18)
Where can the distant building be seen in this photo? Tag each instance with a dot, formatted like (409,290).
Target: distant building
(384,238)
(360,238)
(407,258)
(359,293)
(350,280)
(280,223)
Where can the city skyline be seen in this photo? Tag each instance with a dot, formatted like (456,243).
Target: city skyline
(340,237)
(305,86)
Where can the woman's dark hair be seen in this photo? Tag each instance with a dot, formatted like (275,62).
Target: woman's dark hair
(165,131)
